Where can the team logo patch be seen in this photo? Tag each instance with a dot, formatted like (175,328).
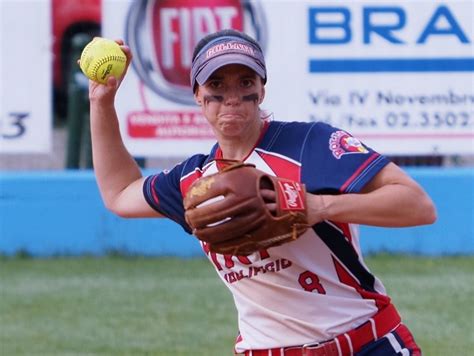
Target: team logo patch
(290,195)
(341,143)
(201,187)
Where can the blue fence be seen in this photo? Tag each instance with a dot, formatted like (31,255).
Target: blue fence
(61,213)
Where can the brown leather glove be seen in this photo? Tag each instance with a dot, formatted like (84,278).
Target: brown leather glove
(227,211)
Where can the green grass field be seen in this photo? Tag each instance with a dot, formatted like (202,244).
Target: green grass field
(165,306)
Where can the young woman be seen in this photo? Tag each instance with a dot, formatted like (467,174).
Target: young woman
(311,296)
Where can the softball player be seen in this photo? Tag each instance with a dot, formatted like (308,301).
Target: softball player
(311,296)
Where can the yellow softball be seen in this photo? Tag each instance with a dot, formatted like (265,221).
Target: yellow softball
(101,58)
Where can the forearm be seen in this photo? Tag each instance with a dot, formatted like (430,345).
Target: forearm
(390,199)
(389,206)
(118,176)
(114,167)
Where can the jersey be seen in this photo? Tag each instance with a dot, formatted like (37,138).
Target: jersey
(308,290)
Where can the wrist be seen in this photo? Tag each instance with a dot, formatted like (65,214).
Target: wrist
(317,208)
(324,206)
(102,102)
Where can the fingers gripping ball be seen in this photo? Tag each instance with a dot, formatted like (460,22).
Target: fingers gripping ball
(101,58)
(226,210)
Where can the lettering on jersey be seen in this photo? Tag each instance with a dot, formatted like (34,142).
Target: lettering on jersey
(230,260)
(253,271)
(341,143)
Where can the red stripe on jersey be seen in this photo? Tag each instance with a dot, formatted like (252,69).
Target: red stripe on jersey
(358,171)
(283,168)
(153,191)
(345,229)
(188,180)
(381,300)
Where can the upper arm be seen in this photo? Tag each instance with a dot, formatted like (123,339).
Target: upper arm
(399,189)
(391,174)
(131,202)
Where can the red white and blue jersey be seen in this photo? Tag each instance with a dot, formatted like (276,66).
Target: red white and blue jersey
(310,289)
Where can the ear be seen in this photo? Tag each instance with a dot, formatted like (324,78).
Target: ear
(197,97)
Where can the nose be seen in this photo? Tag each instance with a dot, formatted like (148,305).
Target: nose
(232,97)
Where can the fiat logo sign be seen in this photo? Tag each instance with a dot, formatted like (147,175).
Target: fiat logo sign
(163,33)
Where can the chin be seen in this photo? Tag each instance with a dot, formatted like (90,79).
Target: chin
(228,132)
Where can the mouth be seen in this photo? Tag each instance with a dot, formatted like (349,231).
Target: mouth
(227,116)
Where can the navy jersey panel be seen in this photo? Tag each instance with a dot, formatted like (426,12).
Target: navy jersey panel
(285,138)
(332,160)
(163,190)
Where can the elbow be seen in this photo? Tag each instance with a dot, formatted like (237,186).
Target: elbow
(122,209)
(110,206)
(114,208)
(433,215)
(423,209)
(427,212)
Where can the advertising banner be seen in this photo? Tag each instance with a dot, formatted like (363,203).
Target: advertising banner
(25,72)
(399,76)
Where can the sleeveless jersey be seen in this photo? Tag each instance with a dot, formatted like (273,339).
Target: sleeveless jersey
(313,288)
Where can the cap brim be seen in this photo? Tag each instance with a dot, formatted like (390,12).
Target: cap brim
(232,58)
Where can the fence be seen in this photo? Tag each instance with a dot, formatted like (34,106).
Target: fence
(61,213)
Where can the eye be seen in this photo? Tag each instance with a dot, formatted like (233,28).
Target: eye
(214,84)
(247,83)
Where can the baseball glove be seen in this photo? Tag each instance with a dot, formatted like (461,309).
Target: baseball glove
(226,210)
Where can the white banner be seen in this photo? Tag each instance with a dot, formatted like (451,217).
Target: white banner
(25,72)
(399,76)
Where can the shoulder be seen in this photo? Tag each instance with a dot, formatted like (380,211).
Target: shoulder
(290,139)
(170,180)
(197,161)
(173,176)
(299,132)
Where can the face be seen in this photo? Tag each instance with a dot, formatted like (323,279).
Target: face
(230,100)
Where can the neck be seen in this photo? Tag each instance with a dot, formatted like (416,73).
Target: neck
(238,148)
